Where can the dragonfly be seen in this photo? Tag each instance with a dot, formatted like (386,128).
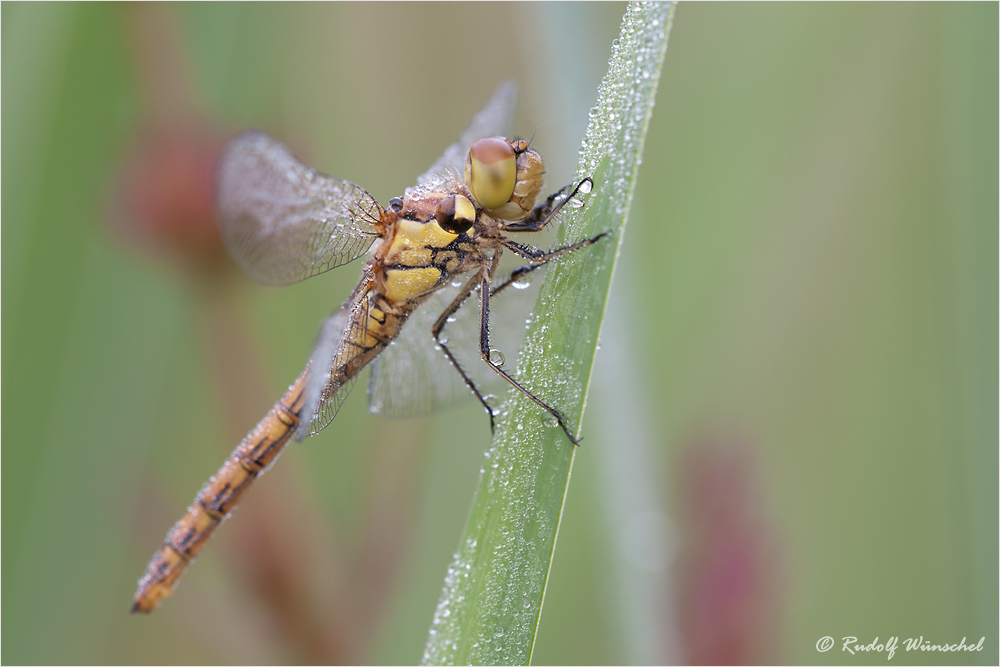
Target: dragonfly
(285,222)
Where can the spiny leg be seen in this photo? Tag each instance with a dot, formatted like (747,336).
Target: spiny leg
(514,277)
(538,258)
(539,217)
(543,213)
(484,351)
(541,257)
(439,327)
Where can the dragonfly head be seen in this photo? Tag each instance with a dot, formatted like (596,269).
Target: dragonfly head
(504,176)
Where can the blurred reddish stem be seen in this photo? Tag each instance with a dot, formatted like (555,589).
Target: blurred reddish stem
(729,567)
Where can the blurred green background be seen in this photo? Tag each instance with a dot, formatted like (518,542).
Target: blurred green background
(793,428)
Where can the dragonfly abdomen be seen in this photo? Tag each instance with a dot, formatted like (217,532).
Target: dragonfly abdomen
(219,497)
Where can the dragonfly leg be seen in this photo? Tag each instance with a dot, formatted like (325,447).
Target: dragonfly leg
(484,351)
(438,328)
(541,257)
(515,276)
(543,213)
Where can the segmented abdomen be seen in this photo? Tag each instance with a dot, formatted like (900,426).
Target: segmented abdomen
(219,497)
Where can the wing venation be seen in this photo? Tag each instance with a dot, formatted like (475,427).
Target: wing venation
(284,222)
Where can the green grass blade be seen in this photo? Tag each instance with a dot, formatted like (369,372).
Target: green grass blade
(492,599)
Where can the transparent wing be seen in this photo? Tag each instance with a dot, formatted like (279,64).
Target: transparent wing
(494,118)
(284,222)
(325,388)
(412,377)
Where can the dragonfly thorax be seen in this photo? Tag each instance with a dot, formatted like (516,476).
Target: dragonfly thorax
(425,245)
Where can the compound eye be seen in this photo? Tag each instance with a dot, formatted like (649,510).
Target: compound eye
(491,172)
(455,214)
